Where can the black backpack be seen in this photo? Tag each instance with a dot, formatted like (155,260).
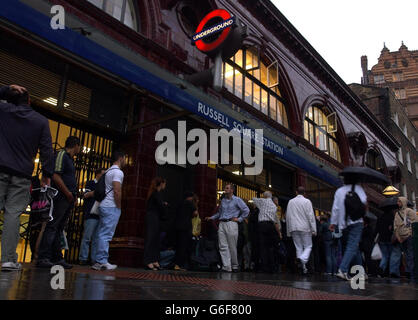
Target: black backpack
(354,208)
(100,191)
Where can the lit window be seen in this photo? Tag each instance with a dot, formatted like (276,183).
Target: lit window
(378,79)
(122,10)
(317,132)
(397,76)
(400,93)
(256,83)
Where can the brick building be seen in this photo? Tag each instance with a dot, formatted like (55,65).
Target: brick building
(397,70)
(119,72)
(387,108)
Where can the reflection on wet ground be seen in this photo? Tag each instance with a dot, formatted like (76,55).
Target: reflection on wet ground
(82,283)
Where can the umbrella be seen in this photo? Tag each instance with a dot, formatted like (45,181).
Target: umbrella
(389,203)
(365,175)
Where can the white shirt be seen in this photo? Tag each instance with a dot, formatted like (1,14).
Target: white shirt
(338,208)
(300,215)
(267,209)
(114,174)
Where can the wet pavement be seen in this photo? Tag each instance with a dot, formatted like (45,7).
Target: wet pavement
(82,283)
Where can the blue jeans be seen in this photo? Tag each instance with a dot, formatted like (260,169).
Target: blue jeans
(109,218)
(395,258)
(90,228)
(330,256)
(386,248)
(352,252)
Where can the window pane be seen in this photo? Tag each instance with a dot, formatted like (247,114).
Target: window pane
(114,8)
(264,101)
(273,112)
(279,112)
(285,120)
(310,113)
(129,16)
(251,59)
(256,74)
(238,84)
(97,3)
(306,130)
(238,58)
(248,91)
(256,96)
(229,76)
(311,134)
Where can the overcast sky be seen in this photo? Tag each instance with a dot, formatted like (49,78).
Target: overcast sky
(342,31)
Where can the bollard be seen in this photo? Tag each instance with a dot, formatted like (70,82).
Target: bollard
(415,246)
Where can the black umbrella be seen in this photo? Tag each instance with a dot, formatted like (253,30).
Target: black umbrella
(365,175)
(389,203)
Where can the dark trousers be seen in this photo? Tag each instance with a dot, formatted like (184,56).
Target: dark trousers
(267,244)
(152,238)
(183,247)
(50,247)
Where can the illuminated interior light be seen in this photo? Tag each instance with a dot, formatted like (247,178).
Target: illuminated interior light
(238,173)
(54,102)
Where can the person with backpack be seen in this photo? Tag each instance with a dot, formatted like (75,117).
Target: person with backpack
(23,132)
(109,210)
(91,220)
(402,230)
(348,210)
(64,180)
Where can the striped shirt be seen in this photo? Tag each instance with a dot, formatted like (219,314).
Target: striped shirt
(64,166)
(267,209)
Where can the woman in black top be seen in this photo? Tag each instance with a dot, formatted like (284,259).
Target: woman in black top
(155,210)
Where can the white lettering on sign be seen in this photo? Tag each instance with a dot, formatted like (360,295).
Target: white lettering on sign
(214,29)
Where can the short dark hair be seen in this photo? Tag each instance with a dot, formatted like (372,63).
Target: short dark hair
(232,186)
(72,141)
(301,190)
(15,97)
(117,155)
(99,171)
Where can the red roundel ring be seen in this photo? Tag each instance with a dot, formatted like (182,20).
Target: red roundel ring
(206,47)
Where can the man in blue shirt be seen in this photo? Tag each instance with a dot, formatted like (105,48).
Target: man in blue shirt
(232,211)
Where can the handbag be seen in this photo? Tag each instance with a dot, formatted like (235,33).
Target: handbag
(95,208)
(376,253)
(196,223)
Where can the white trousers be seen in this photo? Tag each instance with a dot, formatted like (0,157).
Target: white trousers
(228,239)
(303,244)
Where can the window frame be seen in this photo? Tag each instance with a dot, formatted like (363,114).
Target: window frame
(247,74)
(125,5)
(317,126)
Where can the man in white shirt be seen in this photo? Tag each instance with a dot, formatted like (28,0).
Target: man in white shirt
(301,226)
(268,231)
(109,212)
(354,229)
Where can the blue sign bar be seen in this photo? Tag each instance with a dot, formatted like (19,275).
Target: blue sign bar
(39,24)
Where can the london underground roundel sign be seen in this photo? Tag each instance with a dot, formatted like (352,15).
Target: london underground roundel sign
(213,30)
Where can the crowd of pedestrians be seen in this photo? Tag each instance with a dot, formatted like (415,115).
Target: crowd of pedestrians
(255,236)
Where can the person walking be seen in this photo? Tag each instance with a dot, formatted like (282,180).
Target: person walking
(183,228)
(352,230)
(402,230)
(64,180)
(156,208)
(232,211)
(109,212)
(269,231)
(301,226)
(23,132)
(91,220)
(384,233)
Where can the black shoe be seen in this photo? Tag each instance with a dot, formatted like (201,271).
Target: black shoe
(84,263)
(63,264)
(44,263)
(395,276)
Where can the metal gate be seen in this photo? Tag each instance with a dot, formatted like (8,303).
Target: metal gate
(95,153)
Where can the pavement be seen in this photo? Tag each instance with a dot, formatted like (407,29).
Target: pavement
(83,283)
